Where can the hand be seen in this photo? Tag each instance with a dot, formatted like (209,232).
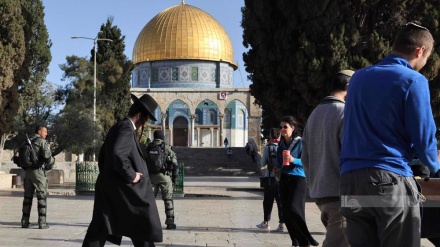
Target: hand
(138,177)
(289,158)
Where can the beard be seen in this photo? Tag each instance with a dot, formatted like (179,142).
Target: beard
(140,122)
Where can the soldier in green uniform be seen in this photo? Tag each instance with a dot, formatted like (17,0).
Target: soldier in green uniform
(35,178)
(165,178)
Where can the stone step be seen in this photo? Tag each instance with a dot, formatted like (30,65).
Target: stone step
(215,162)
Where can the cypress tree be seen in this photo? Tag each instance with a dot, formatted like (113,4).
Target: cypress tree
(296,47)
(12,53)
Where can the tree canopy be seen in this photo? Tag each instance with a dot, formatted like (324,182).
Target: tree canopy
(114,75)
(296,47)
(12,53)
(29,99)
(112,92)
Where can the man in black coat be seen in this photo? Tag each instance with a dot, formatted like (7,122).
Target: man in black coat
(124,199)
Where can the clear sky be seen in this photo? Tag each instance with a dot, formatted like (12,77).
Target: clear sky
(67,18)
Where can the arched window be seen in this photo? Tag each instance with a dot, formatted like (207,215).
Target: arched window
(227,118)
(240,120)
(199,117)
(212,116)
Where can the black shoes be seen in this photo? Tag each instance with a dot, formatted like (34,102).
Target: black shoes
(25,224)
(171,226)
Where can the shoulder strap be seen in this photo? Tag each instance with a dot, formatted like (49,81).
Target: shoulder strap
(293,143)
(269,151)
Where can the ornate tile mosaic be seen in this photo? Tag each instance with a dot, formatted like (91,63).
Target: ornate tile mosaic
(213,74)
(154,74)
(164,74)
(144,76)
(204,74)
(175,74)
(194,74)
(223,76)
(184,73)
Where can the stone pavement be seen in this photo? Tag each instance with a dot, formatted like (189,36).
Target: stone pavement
(216,211)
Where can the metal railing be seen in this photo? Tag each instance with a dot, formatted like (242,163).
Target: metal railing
(179,185)
(86,175)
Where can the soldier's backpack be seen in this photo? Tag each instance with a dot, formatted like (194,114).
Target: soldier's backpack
(156,158)
(26,155)
(272,161)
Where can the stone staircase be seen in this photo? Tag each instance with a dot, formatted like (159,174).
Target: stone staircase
(215,162)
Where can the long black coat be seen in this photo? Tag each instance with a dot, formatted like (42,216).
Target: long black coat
(124,208)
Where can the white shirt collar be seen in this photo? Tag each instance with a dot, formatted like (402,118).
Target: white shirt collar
(134,126)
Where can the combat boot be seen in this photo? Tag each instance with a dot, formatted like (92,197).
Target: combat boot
(170,223)
(25,222)
(27,205)
(42,224)
(42,211)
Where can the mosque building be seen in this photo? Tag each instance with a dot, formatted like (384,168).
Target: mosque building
(184,59)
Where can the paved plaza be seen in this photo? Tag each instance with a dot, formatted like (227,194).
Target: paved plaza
(216,211)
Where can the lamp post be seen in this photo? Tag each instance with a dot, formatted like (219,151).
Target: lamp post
(95,42)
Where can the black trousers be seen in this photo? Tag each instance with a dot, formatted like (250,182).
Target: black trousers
(293,198)
(271,194)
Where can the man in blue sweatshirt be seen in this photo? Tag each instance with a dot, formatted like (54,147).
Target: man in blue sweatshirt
(387,119)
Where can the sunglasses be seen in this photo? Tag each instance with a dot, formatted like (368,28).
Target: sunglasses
(412,24)
(284,127)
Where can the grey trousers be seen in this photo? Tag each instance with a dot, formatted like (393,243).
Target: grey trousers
(381,208)
(335,225)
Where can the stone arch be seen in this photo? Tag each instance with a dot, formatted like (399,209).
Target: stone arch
(207,108)
(180,131)
(192,97)
(235,129)
(177,109)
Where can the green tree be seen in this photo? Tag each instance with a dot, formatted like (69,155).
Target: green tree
(33,98)
(114,73)
(296,47)
(73,131)
(35,65)
(112,89)
(73,126)
(12,53)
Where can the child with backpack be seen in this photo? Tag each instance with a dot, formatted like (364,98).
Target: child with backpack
(270,184)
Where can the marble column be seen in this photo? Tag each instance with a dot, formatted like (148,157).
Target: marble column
(192,117)
(163,117)
(212,144)
(199,140)
(221,118)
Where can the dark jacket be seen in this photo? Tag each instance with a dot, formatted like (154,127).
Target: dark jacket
(123,208)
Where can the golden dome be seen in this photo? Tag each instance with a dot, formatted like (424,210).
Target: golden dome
(183,32)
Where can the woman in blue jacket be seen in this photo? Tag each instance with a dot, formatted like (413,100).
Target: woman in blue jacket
(292,184)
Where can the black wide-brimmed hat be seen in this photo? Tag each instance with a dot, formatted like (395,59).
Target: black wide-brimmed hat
(147,104)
